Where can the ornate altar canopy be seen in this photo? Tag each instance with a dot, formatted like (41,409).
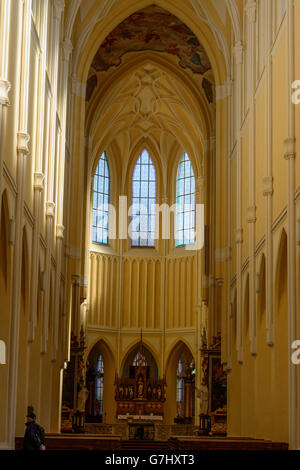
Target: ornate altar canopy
(139,395)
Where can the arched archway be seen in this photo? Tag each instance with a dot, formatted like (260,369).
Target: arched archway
(281,348)
(180,399)
(100,377)
(5,292)
(131,361)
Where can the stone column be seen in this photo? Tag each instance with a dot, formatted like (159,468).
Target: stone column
(238,52)
(199,199)
(4,83)
(22,151)
(268,184)
(251,14)
(51,205)
(290,156)
(187,398)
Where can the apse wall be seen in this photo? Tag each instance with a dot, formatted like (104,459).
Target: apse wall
(132,287)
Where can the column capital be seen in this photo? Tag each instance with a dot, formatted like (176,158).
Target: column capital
(238,52)
(59,6)
(67,48)
(200,182)
(268,186)
(50,209)
(251,214)
(23,139)
(76,280)
(39,180)
(60,229)
(78,88)
(5,87)
(239,234)
(290,148)
(250,10)
(224,91)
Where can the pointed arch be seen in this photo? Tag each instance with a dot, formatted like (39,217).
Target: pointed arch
(281,270)
(185,202)
(101,200)
(25,272)
(234,319)
(180,354)
(100,377)
(130,352)
(143,202)
(246,306)
(4,261)
(261,300)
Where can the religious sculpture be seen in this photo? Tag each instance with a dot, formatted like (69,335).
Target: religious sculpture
(140,388)
(203,394)
(82,397)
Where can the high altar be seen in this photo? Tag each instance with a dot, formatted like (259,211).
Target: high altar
(140,397)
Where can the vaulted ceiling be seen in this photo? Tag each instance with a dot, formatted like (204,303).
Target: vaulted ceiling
(151,70)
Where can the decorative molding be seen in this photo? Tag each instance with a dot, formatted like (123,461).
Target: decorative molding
(238,52)
(35,37)
(251,214)
(260,245)
(250,10)
(5,87)
(268,185)
(78,88)
(224,91)
(60,229)
(67,48)
(279,219)
(29,214)
(239,236)
(59,6)
(39,181)
(50,209)
(10,180)
(23,139)
(290,148)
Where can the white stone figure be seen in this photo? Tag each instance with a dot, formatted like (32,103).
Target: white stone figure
(82,398)
(203,395)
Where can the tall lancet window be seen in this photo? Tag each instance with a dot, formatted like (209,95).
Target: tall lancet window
(143,202)
(180,389)
(99,387)
(101,201)
(185,200)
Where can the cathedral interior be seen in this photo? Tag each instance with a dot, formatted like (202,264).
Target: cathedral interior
(122,324)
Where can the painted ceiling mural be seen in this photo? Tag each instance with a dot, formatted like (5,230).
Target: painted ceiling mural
(152,29)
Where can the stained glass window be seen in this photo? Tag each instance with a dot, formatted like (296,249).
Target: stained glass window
(101,201)
(99,387)
(185,200)
(139,360)
(180,389)
(143,202)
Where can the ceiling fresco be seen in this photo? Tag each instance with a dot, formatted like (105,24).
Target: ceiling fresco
(152,29)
